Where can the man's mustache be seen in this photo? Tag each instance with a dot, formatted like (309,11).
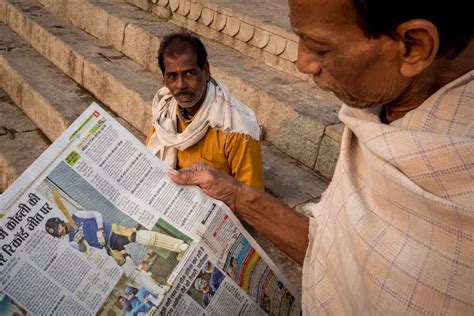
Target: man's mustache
(183,93)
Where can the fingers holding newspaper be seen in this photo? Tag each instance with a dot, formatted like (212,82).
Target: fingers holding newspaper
(213,182)
(282,225)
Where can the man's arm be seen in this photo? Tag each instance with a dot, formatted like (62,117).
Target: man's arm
(283,226)
(97,216)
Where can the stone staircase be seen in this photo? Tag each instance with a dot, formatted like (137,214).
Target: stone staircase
(57,56)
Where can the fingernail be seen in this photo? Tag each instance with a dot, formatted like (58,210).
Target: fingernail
(172,171)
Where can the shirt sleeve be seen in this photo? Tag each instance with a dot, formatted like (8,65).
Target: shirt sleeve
(244,156)
(97,216)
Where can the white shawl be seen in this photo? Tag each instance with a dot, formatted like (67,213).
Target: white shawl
(219,110)
(395,229)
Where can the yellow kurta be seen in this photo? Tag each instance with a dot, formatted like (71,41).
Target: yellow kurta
(235,154)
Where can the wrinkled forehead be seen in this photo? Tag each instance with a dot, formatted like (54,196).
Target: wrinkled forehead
(315,14)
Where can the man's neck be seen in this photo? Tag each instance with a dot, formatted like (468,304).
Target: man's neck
(442,72)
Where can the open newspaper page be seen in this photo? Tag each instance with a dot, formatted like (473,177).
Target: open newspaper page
(95,226)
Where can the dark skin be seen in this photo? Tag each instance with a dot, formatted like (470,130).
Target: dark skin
(257,208)
(185,79)
(399,73)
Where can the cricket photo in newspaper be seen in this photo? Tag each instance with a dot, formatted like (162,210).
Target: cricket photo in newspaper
(95,227)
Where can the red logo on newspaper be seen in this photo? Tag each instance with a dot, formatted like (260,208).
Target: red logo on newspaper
(96,114)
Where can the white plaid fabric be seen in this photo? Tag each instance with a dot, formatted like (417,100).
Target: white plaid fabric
(394,232)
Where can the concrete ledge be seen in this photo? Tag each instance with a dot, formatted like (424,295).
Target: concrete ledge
(21,142)
(121,84)
(53,100)
(289,180)
(248,28)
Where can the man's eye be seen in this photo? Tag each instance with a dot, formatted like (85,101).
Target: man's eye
(170,77)
(191,73)
(322,53)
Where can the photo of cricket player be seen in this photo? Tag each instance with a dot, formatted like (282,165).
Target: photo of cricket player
(89,221)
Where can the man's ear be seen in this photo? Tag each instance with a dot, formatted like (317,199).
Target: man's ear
(418,46)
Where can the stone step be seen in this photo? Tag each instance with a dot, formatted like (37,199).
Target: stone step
(294,113)
(53,100)
(21,142)
(259,29)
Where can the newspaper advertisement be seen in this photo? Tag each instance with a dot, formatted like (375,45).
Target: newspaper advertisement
(95,226)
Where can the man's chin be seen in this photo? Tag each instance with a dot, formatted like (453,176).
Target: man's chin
(187,104)
(354,103)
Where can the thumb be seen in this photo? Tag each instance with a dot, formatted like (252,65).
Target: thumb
(183,176)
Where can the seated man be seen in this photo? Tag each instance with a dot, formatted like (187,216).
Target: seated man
(394,232)
(196,119)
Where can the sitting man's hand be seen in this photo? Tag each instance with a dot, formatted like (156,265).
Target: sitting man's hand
(213,182)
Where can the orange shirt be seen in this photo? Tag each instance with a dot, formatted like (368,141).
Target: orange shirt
(235,154)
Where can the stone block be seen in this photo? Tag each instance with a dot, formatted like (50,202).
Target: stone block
(289,179)
(174,5)
(162,12)
(56,6)
(126,100)
(95,20)
(76,11)
(142,4)
(11,117)
(329,151)
(219,22)
(276,45)
(260,38)
(246,32)
(115,32)
(335,132)
(66,59)
(291,51)
(152,62)
(3,11)
(232,26)
(13,161)
(136,43)
(39,111)
(195,11)
(184,7)
(297,135)
(18,22)
(207,16)
(10,81)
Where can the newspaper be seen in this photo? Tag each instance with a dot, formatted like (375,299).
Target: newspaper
(95,226)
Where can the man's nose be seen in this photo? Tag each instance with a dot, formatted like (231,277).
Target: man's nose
(181,83)
(307,61)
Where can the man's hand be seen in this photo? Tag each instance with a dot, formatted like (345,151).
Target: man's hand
(100,236)
(213,182)
(79,236)
(277,221)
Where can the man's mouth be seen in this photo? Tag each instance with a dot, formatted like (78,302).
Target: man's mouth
(184,97)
